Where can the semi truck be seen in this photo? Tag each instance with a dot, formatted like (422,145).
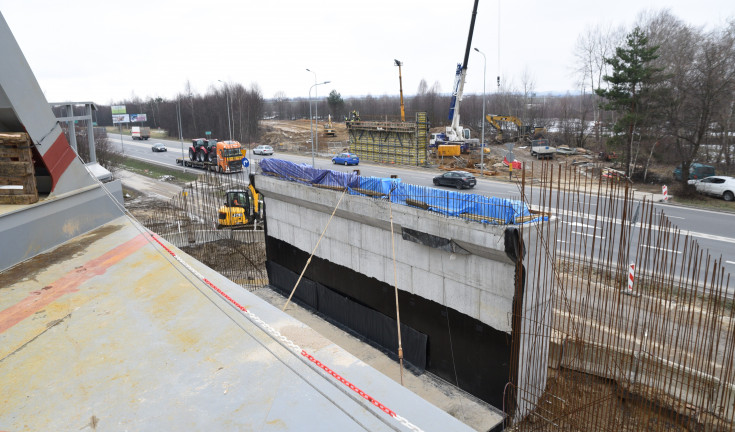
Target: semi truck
(140,132)
(213,155)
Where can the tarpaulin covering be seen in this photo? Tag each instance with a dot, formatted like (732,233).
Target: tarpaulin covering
(450,203)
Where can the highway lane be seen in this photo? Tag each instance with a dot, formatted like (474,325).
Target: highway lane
(714,231)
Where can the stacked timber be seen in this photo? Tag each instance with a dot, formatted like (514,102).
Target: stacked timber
(17,179)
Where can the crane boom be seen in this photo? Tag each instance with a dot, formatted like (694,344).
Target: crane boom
(460,76)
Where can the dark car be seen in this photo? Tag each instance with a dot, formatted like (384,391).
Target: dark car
(158,147)
(696,171)
(458,179)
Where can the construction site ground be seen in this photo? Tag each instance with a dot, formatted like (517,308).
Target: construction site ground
(296,136)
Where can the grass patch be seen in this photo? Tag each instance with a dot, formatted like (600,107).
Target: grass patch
(156,171)
(703,201)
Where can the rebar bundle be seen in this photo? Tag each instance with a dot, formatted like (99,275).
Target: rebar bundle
(639,323)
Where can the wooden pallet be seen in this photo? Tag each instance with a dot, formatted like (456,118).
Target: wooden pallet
(17,179)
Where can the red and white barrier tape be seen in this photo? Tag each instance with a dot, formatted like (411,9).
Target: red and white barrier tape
(288,343)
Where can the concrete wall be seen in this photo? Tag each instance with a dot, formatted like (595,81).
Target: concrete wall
(454,263)
(478,284)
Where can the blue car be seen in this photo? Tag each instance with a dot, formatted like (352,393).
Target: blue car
(346,159)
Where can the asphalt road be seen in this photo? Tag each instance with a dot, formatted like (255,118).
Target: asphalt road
(714,231)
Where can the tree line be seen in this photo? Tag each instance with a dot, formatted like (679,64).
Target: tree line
(660,92)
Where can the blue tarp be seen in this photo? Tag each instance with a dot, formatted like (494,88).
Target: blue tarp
(464,205)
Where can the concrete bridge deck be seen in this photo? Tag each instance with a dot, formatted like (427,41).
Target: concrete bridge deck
(108,330)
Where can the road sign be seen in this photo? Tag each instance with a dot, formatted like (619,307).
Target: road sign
(510,146)
(245,162)
(510,156)
(208,133)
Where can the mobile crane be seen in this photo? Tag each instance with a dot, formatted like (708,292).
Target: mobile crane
(456,134)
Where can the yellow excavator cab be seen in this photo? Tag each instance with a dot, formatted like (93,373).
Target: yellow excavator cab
(241,207)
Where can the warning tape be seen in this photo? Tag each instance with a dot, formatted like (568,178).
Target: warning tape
(287,342)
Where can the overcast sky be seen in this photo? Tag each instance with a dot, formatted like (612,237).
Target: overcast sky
(105,51)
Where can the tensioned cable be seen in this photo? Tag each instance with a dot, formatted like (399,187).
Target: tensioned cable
(314,250)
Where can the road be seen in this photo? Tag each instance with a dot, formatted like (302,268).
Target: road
(713,230)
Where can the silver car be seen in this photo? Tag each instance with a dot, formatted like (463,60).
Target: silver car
(263,149)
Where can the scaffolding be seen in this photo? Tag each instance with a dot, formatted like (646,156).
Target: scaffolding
(402,143)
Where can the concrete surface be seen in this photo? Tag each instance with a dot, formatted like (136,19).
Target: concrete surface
(108,332)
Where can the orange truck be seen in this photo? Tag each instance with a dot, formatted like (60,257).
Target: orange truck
(213,155)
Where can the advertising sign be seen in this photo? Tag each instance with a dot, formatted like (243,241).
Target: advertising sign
(120,118)
(118,109)
(138,117)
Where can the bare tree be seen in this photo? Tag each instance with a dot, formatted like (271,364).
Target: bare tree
(594,45)
(701,80)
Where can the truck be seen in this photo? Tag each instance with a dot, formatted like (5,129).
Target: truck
(213,155)
(456,134)
(140,132)
(541,149)
(242,207)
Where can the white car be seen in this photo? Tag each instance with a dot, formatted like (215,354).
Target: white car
(263,150)
(719,186)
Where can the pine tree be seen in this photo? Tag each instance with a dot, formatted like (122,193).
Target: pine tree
(632,77)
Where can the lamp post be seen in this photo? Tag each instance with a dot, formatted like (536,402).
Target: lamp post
(227,100)
(178,118)
(314,135)
(311,120)
(180,122)
(482,143)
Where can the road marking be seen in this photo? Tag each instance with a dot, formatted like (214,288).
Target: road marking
(588,235)
(579,224)
(675,217)
(662,249)
(730,262)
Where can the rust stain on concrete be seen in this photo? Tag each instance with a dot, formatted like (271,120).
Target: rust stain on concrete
(69,283)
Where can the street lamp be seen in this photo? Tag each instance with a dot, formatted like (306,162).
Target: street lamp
(180,122)
(311,120)
(482,143)
(317,128)
(227,100)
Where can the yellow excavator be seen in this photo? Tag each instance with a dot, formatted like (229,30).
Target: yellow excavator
(242,207)
(524,132)
(329,127)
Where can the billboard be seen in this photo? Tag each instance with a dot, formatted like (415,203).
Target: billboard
(118,109)
(138,117)
(120,118)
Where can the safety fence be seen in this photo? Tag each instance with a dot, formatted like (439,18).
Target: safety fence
(638,330)
(189,221)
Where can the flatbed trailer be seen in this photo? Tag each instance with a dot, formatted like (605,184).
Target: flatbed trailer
(210,166)
(542,150)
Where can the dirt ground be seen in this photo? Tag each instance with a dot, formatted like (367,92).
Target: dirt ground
(295,136)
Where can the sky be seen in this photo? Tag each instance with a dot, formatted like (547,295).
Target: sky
(101,51)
